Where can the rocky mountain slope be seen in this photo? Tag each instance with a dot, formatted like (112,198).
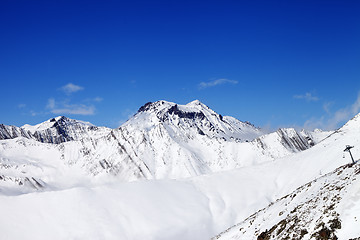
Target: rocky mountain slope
(325,208)
(56,130)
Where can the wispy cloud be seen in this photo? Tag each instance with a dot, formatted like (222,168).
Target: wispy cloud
(314,123)
(307,96)
(51,103)
(98,99)
(345,114)
(71,88)
(339,117)
(33,113)
(327,106)
(25,110)
(216,82)
(356,106)
(77,109)
(65,108)
(93,100)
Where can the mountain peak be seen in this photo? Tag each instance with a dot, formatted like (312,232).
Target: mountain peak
(162,106)
(165,110)
(191,119)
(195,103)
(61,118)
(52,122)
(155,106)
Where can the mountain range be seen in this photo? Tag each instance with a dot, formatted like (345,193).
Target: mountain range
(208,171)
(162,140)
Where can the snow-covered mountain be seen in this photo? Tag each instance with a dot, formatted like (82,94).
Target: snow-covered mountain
(56,130)
(79,194)
(162,140)
(191,119)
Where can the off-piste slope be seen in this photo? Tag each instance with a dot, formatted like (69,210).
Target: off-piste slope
(319,208)
(325,208)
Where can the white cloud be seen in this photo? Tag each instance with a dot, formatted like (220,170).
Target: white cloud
(50,104)
(21,105)
(216,82)
(93,100)
(33,113)
(339,117)
(65,108)
(356,106)
(315,123)
(71,88)
(77,109)
(326,107)
(344,114)
(307,96)
(98,99)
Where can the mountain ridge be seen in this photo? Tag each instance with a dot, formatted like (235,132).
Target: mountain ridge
(162,140)
(55,130)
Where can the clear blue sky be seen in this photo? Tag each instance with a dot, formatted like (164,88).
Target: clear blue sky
(273,63)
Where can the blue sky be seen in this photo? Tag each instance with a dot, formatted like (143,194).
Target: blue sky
(273,63)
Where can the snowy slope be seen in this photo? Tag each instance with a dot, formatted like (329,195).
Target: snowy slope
(326,208)
(286,174)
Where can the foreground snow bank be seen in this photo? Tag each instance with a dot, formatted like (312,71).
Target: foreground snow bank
(140,210)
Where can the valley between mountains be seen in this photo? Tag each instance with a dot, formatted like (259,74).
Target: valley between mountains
(177,172)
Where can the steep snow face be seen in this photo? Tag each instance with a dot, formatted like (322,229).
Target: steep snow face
(316,135)
(166,140)
(194,117)
(55,130)
(283,142)
(326,208)
(9,132)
